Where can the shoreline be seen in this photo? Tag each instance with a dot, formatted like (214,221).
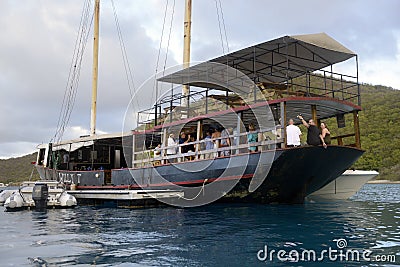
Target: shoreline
(383,182)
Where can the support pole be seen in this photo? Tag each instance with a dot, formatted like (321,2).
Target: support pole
(198,136)
(358,85)
(186,46)
(357,129)
(283,123)
(133,150)
(95,68)
(314,114)
(239,128)
(164,144)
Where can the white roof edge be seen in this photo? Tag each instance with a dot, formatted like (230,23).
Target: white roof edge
(87,139)
(323,40)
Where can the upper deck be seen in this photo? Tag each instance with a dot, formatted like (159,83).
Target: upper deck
(264,85)
(296,67)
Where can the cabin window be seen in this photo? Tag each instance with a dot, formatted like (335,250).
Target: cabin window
(42,153)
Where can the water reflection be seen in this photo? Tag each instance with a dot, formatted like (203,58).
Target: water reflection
(217,235)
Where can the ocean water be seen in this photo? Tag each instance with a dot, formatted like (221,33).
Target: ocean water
(216,235)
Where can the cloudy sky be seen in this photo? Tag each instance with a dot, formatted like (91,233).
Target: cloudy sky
(38,37)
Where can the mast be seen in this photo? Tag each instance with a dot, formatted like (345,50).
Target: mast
(95,68)
(186,44)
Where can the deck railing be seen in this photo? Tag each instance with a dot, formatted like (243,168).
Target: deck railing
(202,101)
(267,141)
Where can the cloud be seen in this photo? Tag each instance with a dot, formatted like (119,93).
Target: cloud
(16,149)
(38,42)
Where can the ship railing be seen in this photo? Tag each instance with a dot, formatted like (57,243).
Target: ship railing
(267,141)
(329,84)
(341,142)
(201,101)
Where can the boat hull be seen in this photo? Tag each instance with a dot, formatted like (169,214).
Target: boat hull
(294,174)
(344,187)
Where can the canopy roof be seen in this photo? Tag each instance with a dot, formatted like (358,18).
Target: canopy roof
(274,61)
(74,144)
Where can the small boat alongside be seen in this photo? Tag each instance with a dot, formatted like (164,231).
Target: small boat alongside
(4,194)
(344,187)
(40,195)
(2,186)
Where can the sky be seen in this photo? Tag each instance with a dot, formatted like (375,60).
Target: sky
(38,39)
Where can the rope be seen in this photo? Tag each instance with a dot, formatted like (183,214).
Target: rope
(223,23)
(71,67)
(74,73)
(219,9)
(219,26)
(128,71)
(58,128)
(74,78)
(169,37)
(155,87)
(33,169)
(159,52)
(198,194)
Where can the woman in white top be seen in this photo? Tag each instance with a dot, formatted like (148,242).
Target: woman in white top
(171,150)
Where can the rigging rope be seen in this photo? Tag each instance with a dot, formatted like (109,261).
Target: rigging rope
(159,51)
(155,86)
(74,73)
(219,9)
(127,67)
(169,37)
(223,23)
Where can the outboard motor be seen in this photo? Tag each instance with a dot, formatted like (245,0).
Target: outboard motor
(40,194)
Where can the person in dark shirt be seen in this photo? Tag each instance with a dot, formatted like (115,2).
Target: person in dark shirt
(183,140)
(314,138)
(191,147)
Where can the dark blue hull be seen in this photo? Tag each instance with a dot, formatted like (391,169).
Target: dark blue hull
(294,174)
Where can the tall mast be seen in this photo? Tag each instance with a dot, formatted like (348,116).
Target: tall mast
(95,68)
(186,44)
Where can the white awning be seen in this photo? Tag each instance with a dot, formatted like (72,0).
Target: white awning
(275,61)
(84,141)
(72,146)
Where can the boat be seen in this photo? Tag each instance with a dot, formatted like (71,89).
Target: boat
(4,194)
(344,187)
(54,196)
(263,85)
(2,186)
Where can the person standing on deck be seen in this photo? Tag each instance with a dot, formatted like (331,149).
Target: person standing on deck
(171,145)
(225,142)
(182,141)
(314,138)
(252,137)
(209,144)
(292,134)
(215,138)
(325,133)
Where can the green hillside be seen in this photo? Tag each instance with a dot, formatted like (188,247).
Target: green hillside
(17,169)
(380,137)
(380,131)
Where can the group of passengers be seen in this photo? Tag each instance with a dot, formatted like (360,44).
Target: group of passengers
(214,138)
(315,136)
(219,137)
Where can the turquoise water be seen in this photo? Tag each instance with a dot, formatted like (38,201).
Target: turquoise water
(216,235)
